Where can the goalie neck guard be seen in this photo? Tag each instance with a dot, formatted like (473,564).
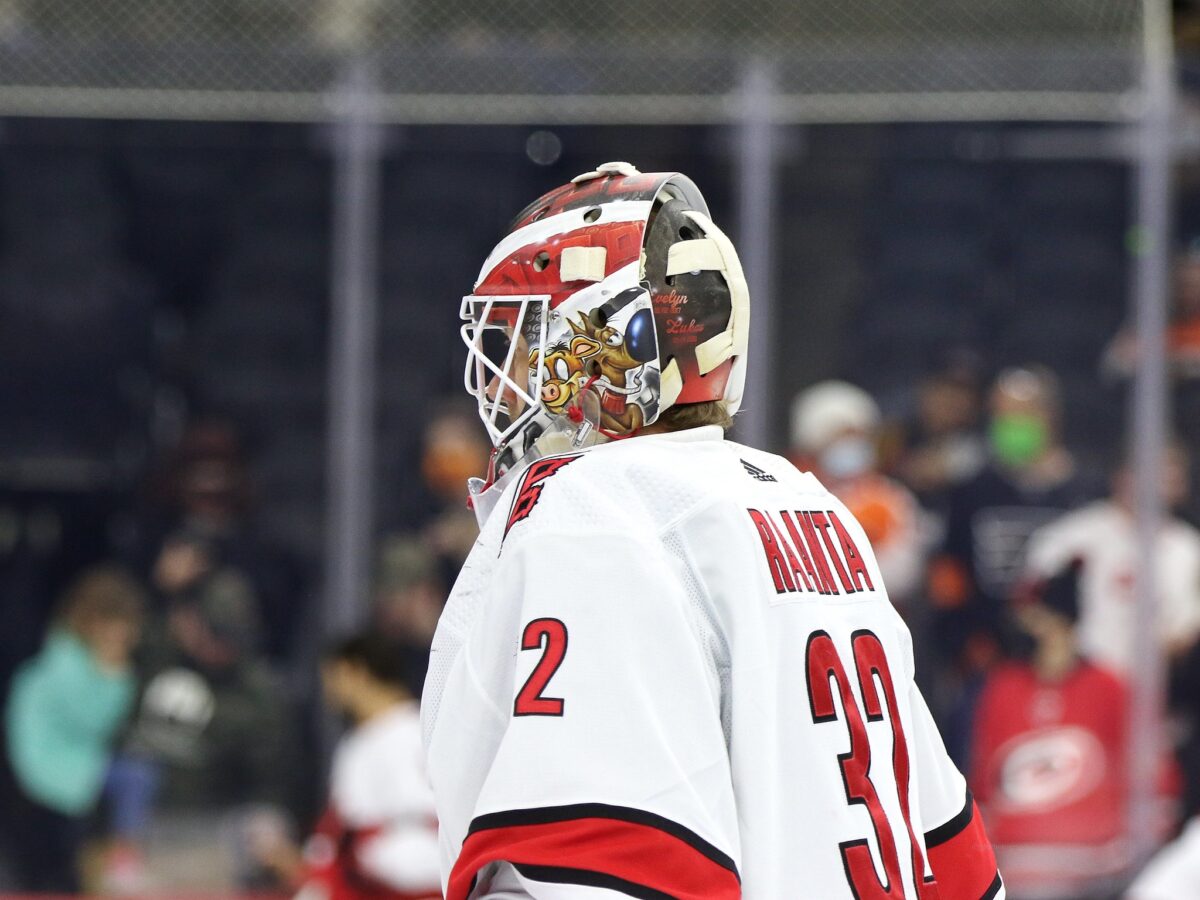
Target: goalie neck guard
(609,300)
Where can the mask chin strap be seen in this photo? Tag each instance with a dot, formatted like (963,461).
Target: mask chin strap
(477,486)
(483,494)
(576,414)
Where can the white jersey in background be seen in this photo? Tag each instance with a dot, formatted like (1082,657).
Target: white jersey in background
(670,668)
(1104,538)
(377,837)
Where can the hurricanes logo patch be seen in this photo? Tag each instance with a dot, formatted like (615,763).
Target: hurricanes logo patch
(756,473)
(530,491)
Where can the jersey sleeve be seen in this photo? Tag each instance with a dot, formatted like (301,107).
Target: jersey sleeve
(957,846)
(403,856)
(1179,610)
(1052,547)
(613,773)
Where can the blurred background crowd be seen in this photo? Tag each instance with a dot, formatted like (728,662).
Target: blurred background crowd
(190,706)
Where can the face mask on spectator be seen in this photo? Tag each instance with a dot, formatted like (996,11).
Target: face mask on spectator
(847,457)
(1017,438)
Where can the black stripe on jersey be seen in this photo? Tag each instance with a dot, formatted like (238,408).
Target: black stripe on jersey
(943,833)
(563,875)
(544,815)
(993,888)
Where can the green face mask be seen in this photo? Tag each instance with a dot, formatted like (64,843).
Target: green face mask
(1017,438)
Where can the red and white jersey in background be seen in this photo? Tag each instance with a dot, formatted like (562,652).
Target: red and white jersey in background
(670,668)
(1104,538)
(377,839)
(1050,772)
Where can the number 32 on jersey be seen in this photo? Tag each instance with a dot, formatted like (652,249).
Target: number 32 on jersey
(826,675)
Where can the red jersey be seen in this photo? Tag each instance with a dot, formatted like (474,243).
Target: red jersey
(1049,758)
(1050,772)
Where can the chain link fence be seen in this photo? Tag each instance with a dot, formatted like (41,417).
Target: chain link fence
(483,61)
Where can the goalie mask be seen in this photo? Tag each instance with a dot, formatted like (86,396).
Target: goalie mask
(610,300)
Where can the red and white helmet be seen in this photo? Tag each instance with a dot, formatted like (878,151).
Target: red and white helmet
(609,300)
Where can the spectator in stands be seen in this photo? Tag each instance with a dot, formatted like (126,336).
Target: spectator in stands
(1183,330)
(1029,480)
(377,839)
(944,447)
(1049,767)
(452,450)
(835,430)
(64,710)
(408,597)
(214,726)
(1183,352)
(202,522)
(1178,581)
(1103,535)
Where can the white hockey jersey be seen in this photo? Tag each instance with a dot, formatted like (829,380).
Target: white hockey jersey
(1104,537)
(670,668)
(377,836)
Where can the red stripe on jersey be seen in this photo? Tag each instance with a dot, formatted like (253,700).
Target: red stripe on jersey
(961,856)
(600,845)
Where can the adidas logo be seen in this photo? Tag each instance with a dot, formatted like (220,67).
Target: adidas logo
(756,473)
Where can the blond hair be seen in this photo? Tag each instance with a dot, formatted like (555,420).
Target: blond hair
(694,415)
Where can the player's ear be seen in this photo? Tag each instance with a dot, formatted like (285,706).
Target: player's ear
(583,347)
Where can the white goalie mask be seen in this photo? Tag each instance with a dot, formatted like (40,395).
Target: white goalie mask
(610,299)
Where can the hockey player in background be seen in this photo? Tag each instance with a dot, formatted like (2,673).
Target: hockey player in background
(669,667)
(377,837)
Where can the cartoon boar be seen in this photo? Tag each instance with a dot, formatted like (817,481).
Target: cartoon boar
(562,374)
(612,356)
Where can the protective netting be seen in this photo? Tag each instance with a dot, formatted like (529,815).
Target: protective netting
(572,61)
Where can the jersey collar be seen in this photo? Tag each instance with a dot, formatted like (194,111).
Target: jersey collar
(687,435)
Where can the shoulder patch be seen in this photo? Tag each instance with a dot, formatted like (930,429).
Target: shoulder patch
(756,473)
(530,490)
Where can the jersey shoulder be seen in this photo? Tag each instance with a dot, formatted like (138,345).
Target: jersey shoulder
(1184,536)
(637,486)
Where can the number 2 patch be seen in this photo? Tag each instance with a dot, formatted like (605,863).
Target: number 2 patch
(550,636)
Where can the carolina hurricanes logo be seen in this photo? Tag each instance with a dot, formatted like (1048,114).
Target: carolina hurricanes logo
(1050,768)
(531,488)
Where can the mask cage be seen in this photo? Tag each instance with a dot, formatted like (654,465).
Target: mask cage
(500,332)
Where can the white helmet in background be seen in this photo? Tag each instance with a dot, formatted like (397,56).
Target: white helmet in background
(834,422)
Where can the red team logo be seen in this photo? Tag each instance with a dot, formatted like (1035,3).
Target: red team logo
(531,488)
(1049,769)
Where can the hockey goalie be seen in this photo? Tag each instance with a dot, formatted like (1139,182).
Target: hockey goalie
(669,667)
